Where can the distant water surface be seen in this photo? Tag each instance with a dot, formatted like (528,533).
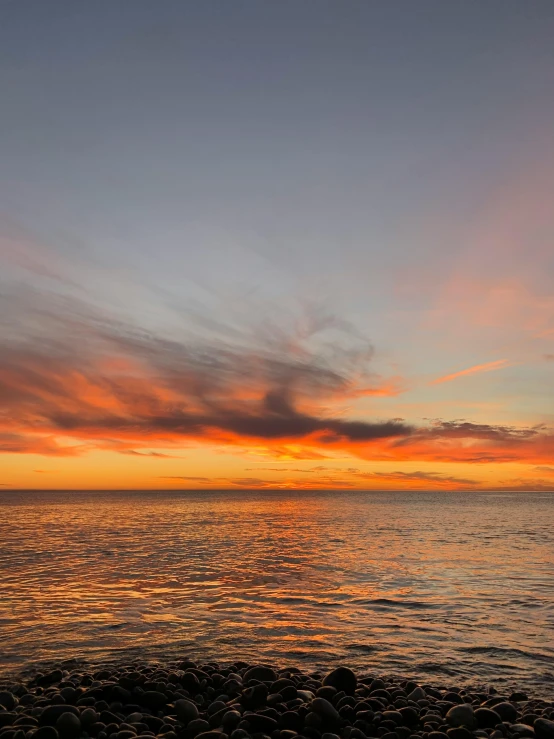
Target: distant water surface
(441,586)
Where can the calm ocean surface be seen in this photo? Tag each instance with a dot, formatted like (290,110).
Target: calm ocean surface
(440,586)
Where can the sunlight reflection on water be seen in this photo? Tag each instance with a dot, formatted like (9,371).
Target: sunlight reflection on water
(432,584)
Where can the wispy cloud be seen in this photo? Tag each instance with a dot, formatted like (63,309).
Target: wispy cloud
(72,381)
(477,368)
(160,455)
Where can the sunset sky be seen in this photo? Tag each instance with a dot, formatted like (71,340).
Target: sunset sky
(292,244)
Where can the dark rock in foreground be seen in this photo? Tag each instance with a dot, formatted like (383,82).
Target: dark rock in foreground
(190,701)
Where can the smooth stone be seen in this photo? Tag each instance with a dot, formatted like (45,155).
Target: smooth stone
(417,694)
(462,715)
(132,718)
(186,710)
(231,720)
(306,695)
(239,734)
(327,735)
(325,709)
(7,719)
(52,713)
(46,732)
(153,699)
(68,725)
(52,677)
(8,700)
(211,735)
(260,723)
(394,716)
(262,673)
(460,732)
(215,707)
(282,682)
(518,697)
(198,726)
(523,730)
(487,718)
(290,720)
(89,716)
(342,678)
(190,682)
(506,711)
(529,718)
(437,735)
(255,696)
(544,728)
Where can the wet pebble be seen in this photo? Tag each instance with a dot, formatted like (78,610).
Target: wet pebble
(188,700)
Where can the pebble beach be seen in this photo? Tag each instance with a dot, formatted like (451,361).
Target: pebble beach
(190,700)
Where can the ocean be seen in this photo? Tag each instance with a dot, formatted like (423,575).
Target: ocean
(439,586)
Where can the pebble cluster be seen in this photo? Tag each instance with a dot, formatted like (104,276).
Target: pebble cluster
(186,700)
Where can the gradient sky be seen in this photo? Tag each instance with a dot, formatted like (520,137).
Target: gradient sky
(277,244)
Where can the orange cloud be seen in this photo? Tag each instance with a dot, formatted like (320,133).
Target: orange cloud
(71,381)
(487,367)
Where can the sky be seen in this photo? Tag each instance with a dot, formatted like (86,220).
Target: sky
(285,244)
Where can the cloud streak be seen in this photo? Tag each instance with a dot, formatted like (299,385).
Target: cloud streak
(487,367)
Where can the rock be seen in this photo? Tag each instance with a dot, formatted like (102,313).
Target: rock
(8,700)
(215,707)
(254,697)
(259,723)
(89,716)
(326,710)
(49,679)
(459,732)
(7,719)
(262,673)
(417,694)
(327,735)
(46,732)
(239,734)
(529,719)
(190,682)
(230,720)
(461,715)
(342,679)
(518,697)
(290,720)
(153,699)
(186,711)
(437,735)
(211,735)
(198,726)
(544,729)
(394,716)
(506,711)
(68,726)
(487,718)
(52,713)
(522,730)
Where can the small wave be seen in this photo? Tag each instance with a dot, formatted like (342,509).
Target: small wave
(505,652)
(364,647)
(393,603)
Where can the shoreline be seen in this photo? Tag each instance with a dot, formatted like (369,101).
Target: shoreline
(185,699)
